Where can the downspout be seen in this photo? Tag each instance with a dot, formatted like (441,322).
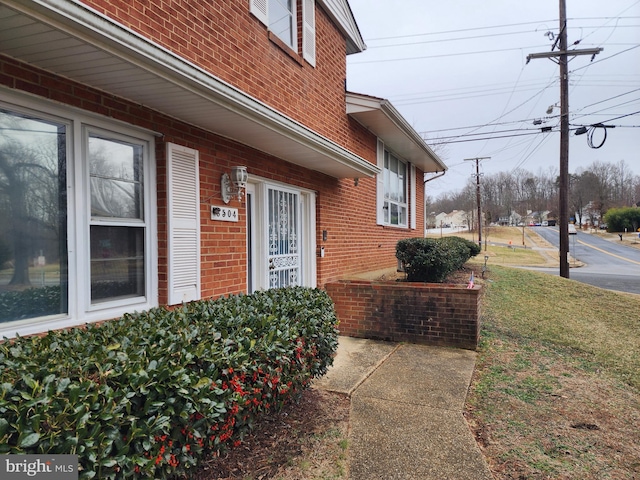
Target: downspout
(433,178)
(424,210)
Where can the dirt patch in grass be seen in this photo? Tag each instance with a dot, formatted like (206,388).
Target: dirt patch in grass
(306,440)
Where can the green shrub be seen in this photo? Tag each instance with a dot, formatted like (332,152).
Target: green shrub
(622,219)
(433,259)
(152,393)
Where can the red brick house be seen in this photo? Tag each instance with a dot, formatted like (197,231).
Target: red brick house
(119,119)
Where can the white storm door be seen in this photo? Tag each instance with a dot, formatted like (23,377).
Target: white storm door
(284,237)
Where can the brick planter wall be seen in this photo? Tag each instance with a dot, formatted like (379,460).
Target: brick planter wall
(430,314)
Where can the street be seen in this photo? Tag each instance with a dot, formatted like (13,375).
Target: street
(607,264)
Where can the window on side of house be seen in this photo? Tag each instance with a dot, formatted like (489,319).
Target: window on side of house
(395,190)
(76,202)
(282,21)
(283,18)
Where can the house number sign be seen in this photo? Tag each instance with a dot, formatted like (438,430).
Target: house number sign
(224,214)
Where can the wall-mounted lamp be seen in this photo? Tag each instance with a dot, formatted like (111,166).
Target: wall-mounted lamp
(234,184)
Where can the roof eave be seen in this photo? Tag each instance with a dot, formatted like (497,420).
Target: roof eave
(342,16)
(221,108)
(381,117)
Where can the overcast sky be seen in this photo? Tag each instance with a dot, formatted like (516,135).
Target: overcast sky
(458,69)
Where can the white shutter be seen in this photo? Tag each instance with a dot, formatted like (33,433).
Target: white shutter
(260,9)
(309,31)
(413,196)
(380,185)
(183,202)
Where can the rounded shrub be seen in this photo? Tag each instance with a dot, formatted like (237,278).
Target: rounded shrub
(432,260)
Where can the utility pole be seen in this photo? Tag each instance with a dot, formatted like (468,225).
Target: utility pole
(563,207)
(477,174)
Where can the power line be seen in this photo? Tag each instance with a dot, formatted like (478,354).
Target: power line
(473,37)
(472,29)
(493,35)
(622,116)
(485,133)
(445,55)
(541,142)
(460,96)
(435,142)
(606,58)
(531,119)
(458,30)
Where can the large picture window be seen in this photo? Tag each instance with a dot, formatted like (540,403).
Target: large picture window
(75,205)
(395,190)
(33,239)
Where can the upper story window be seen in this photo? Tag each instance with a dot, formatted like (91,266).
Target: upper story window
(281,18)
(395,190)
(282,21)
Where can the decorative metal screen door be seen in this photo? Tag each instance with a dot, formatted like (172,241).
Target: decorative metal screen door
(284,238)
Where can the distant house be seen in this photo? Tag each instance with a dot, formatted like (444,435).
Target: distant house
(454,219)
(510,220)
(536,218)
(122,125)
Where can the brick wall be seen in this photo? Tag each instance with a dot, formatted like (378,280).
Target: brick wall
(347,212)
(430,314)
(225,39)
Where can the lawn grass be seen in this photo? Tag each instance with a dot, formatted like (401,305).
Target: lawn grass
(600,323)
(497,234)
(504,246)
(556,391)
(503,255)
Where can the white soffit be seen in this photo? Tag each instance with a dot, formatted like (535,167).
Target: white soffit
(380,117)
(76,42)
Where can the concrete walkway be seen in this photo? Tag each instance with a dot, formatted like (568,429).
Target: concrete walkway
(406,411)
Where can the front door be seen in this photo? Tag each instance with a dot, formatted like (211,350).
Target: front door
(280,236)
(284,237)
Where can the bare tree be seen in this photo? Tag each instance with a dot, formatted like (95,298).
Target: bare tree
(29,186)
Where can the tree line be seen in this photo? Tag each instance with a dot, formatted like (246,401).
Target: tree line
(592,192)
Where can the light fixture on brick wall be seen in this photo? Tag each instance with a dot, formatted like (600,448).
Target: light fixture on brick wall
(234,184)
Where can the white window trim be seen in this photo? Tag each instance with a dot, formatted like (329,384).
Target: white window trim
(413,185)
(380,184)
(86,130)
(260,9)
(80,310)
(410,186)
